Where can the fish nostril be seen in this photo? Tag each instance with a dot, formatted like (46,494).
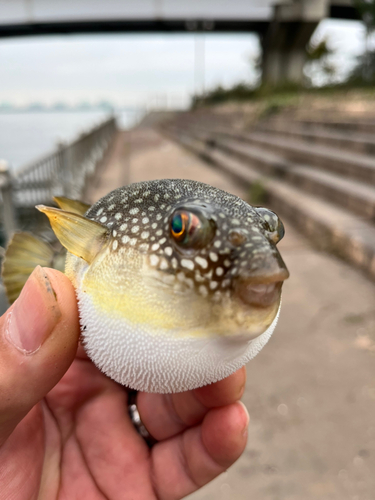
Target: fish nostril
(261,294)
(236,237)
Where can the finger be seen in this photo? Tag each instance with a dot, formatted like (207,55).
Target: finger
(187,462)
(38,341)
(165,415)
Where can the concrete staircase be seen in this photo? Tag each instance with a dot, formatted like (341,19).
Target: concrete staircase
(320,176)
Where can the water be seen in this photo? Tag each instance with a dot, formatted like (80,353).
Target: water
(25,137)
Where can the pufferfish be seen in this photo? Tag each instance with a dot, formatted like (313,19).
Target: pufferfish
(178,283)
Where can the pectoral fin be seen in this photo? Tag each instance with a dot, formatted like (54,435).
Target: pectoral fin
(80,236)
(74,206)
(22,255)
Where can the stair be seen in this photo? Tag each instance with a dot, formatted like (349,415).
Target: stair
(325,190)
(351,140)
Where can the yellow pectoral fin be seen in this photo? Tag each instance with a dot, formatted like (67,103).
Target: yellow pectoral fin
(80,236)
(22,255)
(74,206)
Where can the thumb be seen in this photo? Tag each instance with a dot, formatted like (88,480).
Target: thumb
(38,341)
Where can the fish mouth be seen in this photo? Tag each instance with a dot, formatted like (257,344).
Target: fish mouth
(262,291)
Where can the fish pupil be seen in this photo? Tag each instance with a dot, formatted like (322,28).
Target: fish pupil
(177,225)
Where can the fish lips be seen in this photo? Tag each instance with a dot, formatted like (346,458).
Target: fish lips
(263,288)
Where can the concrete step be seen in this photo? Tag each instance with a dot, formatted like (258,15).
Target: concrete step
(330,228)
(355,196)
(364,126)
(353,165)
(355,142)
(352,195)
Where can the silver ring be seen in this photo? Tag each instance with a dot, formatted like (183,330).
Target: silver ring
(136,419)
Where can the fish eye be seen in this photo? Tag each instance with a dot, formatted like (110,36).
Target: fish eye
(190,228)
(273,225)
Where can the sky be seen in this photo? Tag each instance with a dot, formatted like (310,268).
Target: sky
(143,70)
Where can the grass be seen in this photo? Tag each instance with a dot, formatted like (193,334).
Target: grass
(277,98)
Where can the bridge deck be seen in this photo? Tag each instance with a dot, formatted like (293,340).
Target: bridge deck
(311,392)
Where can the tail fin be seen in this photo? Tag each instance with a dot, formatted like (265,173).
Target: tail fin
(23,254)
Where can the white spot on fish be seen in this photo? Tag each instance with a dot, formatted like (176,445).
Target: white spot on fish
(145,235)
(189,264)
(103,219)
(118,216)
(213,256)
(168,251)
(133,211)
(115,245)
(219,271)
(202,262)
(163,264)
(135,229)
(125,239)
(154,260)
(155,247)
(199,278)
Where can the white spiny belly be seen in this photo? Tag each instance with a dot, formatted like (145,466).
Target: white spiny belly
(161,361)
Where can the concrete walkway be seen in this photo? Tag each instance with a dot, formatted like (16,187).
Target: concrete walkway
(311,391)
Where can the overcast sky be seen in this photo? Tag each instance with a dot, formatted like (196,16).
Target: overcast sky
(141,70)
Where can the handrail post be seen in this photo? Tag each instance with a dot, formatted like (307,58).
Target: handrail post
(6,187)
(64,168)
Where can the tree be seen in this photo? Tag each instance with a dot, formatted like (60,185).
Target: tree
(319,68)
(366,9)
(365,67)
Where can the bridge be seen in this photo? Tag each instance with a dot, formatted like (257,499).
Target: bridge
(284,26)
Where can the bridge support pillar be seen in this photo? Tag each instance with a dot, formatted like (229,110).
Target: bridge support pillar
(284,44)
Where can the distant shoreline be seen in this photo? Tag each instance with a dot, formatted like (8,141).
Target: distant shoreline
(69,110)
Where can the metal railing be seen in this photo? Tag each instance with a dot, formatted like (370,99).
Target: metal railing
(62,172)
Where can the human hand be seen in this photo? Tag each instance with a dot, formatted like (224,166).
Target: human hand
(65,432)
